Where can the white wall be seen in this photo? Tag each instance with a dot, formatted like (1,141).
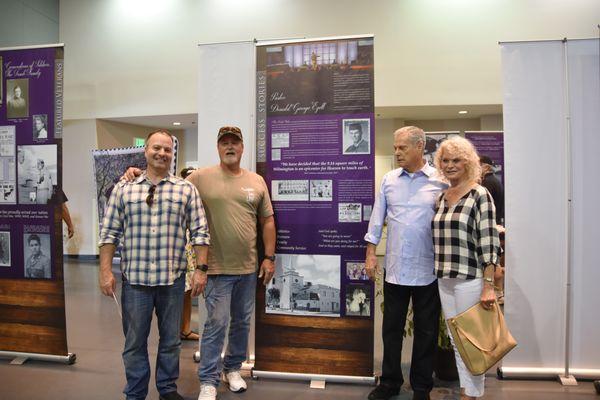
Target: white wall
(133,58)
(79,139)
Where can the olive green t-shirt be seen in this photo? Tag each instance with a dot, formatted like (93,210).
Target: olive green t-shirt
(232,205)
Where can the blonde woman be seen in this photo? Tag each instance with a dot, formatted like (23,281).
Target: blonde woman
(466,243)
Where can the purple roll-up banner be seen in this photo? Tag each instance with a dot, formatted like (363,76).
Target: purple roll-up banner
(30,162)
(32,305)
(315,149)
(491,144)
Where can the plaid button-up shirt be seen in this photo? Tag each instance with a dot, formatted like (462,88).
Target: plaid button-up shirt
(154,237)
(465,237)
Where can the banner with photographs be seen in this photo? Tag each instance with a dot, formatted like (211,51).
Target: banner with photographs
(31,259)
(433,141)
(315,149)
(111,164)
(490,144)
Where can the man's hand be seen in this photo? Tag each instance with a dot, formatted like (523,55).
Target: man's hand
(70,231)
(372,267)
(131,174)
(199,280)
(267,269)
(108,283)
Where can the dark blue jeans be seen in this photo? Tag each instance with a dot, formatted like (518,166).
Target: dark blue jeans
(229,302)
(138,304)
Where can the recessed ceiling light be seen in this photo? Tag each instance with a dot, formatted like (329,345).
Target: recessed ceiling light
(463,112)
(176,123)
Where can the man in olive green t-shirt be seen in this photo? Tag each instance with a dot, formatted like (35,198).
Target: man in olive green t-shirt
(234,199)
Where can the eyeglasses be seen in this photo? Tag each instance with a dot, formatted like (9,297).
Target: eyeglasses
(229,129)
(150,198)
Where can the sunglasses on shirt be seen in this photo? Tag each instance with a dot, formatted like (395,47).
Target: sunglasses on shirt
(150,198)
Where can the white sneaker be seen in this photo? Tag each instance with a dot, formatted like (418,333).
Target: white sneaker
(207,392)
(235,381)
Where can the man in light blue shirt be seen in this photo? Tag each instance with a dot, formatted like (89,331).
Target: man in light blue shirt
(406,200)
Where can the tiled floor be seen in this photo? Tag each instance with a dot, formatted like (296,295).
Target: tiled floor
(94,334)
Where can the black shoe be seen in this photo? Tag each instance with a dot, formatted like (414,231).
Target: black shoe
(421,396)
(597,386)
(170,396)
(383,392)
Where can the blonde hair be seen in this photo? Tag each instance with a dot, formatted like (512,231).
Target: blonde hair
(460,147)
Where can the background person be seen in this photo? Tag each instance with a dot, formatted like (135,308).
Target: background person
(466,243)
(186,331)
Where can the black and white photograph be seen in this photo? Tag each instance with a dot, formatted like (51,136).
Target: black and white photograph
(305,284)
(4,249)
(37,255)
(17,98)
(358,300)
(280,140)
(8,170)
(40,127)
(36,173)
(367,210)
(356,136)
(290,190)
(349,212)
(356,271)
(276,154)
(321,190)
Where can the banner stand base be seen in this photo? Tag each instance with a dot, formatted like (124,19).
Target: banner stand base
(317,384)
(548,373)
(567,380)
(20,358)
(361,380)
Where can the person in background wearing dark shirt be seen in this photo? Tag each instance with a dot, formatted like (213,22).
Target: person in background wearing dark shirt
(59,197)
(493,185)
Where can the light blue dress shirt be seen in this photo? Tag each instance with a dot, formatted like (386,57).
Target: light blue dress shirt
(408,202)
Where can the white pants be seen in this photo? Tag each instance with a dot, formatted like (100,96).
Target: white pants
(456,296)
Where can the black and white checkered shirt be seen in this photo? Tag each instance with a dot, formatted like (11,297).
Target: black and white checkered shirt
(154,236)
(465,238)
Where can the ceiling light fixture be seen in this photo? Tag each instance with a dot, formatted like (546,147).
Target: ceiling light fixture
(176,123)
(463,112)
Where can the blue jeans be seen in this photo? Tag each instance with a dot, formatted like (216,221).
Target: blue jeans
(138,304)
(229,301)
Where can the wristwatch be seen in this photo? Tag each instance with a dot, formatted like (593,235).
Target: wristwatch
(202,267)
(272,258)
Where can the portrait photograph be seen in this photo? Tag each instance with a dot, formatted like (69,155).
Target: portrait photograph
(40,127)
(36,173)
(17,98)
(356,136)
(37,255)
(358,300)
(4,249)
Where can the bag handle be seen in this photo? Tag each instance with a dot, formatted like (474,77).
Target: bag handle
(473,341)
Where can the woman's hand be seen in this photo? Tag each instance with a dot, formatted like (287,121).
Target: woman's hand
(488,295)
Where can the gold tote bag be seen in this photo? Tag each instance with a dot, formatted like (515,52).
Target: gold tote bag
(481,337)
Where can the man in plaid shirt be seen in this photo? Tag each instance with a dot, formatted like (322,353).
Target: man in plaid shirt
(151,215)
